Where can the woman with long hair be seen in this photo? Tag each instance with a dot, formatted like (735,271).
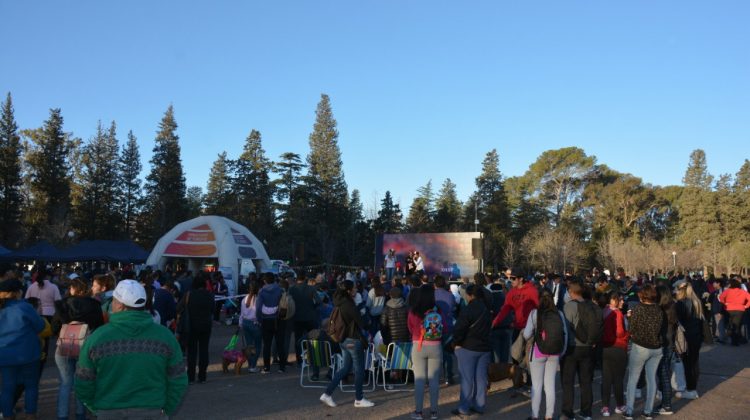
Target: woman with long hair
(426,351)
(81,307)
(352,346)
(251,325)
(664,373)
(614,345)
(542,322)
(689,310)
(375,305)
(199,304)
(647,326)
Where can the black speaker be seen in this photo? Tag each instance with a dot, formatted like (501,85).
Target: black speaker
(477,248)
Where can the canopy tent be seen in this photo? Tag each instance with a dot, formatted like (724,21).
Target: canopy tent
(101,250)
(41,251)
(210,238)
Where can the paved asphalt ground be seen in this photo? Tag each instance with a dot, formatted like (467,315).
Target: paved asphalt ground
(724,387)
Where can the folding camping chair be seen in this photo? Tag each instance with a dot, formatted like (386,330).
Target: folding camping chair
(371,367)
(316,354)
(397,357)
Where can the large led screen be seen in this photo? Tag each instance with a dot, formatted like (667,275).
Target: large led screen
(448,254)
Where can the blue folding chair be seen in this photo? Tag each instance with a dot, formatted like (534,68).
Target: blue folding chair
(397,357)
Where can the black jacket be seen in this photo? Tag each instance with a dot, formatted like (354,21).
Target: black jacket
(350,314)
(200,307)
(472,330)
(393,322)
(77,308)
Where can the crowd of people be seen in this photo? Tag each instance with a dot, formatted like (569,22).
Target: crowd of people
(632,329)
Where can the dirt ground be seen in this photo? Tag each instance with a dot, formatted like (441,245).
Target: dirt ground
(724,388)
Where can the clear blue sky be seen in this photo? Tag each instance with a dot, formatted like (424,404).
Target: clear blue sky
(421,90)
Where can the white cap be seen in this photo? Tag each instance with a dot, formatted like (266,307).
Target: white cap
(130,293)
(73,276)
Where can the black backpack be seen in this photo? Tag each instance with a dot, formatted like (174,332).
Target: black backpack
(549,335)
(590,323)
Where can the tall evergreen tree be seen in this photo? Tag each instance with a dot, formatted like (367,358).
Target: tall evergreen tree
(696,175)
(359,238)
(447,208)
(252,188)
(291,206)
(50,176)
(165,185)
(96,210)
(130,184)
(10,176)
(493,210)
(289,168)
(194,202)
(742,178)
(219,200)
(422,213)
(325,185)
(389,216)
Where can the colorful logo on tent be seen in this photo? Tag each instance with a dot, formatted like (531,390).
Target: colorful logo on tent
(190,250)
(196,242)
(240,239)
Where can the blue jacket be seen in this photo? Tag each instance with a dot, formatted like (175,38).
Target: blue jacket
(267,303)
(19,329)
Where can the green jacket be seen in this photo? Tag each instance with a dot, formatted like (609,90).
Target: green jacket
(131,362)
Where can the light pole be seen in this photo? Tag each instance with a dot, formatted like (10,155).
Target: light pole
(674,260)
(476,218)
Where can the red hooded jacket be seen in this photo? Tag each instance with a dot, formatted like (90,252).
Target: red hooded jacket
(521,300)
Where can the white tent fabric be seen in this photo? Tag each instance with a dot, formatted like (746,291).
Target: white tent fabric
(209,237)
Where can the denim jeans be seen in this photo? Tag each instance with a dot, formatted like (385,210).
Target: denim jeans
(66,366)
(389,273)
(254,337)
(473,368)
(500,343)
(28,375)
(639,358)
(354,357)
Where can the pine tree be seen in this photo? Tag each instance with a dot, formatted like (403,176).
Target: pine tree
(422,213)
(742,179)
(219,199)
(389,216)
(96,214)
(493,210)
(252,188)
(325,186)
(289,169)
(696,175)
(447,208)
(130,184)
(194,202)
(165,185)
(10,176)
(50,177)
(359,238)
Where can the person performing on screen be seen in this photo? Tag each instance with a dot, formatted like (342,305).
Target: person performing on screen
(390,263)
(418,263)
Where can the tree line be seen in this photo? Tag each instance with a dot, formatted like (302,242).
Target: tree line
(566,212)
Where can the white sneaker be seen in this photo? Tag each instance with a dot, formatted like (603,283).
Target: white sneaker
(363,403)
(328,400)
(254,370)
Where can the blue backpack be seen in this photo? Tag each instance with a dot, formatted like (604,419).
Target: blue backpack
(432,326)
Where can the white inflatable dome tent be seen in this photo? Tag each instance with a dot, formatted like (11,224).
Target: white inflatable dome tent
(212,239)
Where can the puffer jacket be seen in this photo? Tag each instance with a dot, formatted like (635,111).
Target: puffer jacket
(393,322)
